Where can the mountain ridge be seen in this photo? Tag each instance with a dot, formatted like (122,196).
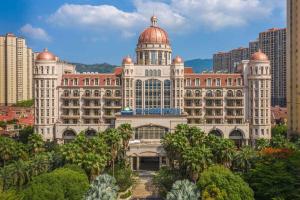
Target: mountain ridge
(198,66)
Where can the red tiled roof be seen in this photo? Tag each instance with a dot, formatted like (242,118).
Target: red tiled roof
(118,70)
(23,115)
(278,113)
(188,70)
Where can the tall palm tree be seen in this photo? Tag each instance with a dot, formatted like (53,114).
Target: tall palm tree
(244,159)
(20,173)
(7,149)
(126,132)
(183,190)
(197,159)
(35,143)
(113,139)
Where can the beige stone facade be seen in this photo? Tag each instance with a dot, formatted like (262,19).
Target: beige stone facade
(293,66)
(154,94)
(15,70)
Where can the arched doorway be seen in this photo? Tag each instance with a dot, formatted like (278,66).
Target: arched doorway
(90,133)
(237,137)
(216,132)
(69,135)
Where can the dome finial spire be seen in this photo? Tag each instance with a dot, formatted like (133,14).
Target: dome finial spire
(153,20)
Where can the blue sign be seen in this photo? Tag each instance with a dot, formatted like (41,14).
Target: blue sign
(152,111)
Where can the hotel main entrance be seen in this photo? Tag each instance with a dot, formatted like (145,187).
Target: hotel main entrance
(149,163)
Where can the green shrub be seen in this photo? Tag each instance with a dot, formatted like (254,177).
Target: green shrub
(61,184)
(231,186)
(123,176)
(164,180)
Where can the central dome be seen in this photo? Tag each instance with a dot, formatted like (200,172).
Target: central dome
(154,34)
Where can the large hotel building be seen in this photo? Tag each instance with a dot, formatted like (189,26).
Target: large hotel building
(293,63)
(16,63)
(154,94)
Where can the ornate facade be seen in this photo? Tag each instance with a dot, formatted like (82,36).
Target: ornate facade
(154,94)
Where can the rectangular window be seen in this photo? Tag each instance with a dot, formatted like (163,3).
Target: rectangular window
(218,82)
(197,82)
(208,82)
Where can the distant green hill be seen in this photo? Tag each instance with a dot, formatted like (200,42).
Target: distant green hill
(100,68)
(198,65)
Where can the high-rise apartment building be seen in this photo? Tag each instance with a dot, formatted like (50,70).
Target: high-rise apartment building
(293,66)
(15,70)
(228,61)
(253,46)
(221,61)
(273,43)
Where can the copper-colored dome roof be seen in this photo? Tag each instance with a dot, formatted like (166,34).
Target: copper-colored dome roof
(45,55)
(259,56)
(154,34)
(177,60)
(127,60)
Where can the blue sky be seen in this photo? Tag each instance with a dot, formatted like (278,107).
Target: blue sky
(96,31)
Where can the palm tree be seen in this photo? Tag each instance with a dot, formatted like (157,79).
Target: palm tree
(175,144)
(20,173)
(7,149)
(197,159)
(224,151)
(103,187)
(113,139)
(262,143)
(126,132)
(183,190)
(244,159)
(35,143)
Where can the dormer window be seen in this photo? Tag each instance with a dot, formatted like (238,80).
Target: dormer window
(87,81)
(208,82)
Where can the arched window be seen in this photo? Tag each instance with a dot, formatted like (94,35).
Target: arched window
(90,133)
(197,93)
(42,70)
(138,94)
(118,93)
(188,93)
(75,93)
(159,72)
(47,69)
(36,70)
(154,73)
(97,93)
(229,93)
(68,136)
(146,72)
(150,73)
(209,93)
(239,93)
(218,93)
(216,132)
(262,70)
(167,94)
(87,93)
(152,93)
(237,137)
(66,93)
(108,93)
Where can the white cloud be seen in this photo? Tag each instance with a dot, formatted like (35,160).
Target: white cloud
(175,16)
(35,33)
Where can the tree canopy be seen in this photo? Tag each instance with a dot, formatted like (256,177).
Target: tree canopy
(229,185)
